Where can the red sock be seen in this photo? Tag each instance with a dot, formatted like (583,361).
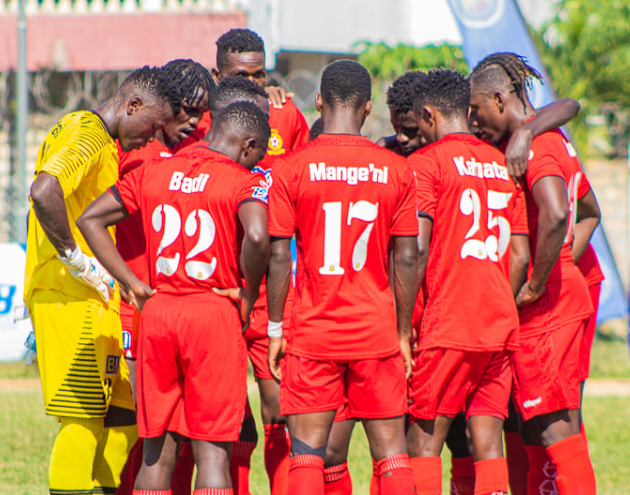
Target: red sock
(213,491)
(491,476)
(375,482)
(239,466)
(131,469)
(151,492)
(396,475)
(575,471)
(337,480)
(427,474)
(181,482)
(462,476)
(541,477)
(277,458)
(306,475)
(517,462)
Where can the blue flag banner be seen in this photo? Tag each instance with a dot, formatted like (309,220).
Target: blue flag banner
(489,26)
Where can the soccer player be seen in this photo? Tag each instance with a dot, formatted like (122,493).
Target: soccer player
(72,300)
(241,52)
(195,84)
(195,209)
(469,214)
(344,198)
(554,301)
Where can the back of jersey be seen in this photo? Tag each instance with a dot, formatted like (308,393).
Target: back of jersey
(189,205)
(464,188)
(343,197)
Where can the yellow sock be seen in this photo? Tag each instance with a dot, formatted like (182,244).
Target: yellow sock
(72,456)
(111,456)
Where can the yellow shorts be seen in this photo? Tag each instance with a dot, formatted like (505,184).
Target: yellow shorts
(79,352)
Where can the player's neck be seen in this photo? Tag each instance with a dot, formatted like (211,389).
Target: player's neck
(521,114)
(342,121)
(109,112)
(454,125)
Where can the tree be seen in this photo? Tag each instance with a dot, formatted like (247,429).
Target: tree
(586,50)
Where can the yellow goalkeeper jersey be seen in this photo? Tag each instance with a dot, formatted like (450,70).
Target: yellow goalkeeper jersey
(81,153)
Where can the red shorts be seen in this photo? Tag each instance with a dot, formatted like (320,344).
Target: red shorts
(257,338)
(589,334)
(130,322)
(546,371)
(445,382)
(192,368)
(343,413)
(375,388)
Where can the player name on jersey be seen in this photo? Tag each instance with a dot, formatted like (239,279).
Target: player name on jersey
(480,170)
(188,185)
(351,175)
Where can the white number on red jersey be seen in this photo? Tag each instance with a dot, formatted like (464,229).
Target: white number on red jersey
(166,218)
(361,210)
(492,247)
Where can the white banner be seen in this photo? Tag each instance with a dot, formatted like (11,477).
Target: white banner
(12,333)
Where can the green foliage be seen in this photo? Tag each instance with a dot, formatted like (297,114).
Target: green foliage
(386,63)
(586,51)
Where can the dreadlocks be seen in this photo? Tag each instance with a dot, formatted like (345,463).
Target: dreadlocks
(192,78)
(493,69)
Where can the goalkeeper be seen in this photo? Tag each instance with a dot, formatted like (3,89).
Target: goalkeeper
(73,301)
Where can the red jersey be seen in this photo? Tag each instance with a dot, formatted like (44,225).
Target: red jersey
(343,197)
(464,188)
(188,205)
(589,266)
(566,295)
(130,239)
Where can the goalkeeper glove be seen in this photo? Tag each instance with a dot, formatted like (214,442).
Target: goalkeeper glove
(89,271)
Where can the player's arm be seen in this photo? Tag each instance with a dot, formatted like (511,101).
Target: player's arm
(278,281)
(388,142)
(588,217)
(107,210)
(254,252)
(550,194)
(277,96)
(519,261)
(405,291)
(549,117)
(50,208)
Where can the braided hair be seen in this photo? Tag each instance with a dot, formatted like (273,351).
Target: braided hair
(192,78)
(493,70)
(157,83)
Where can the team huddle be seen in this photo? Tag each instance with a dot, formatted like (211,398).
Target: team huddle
(442,294)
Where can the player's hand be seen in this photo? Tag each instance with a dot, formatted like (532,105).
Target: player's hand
(414,340)
(90,272)
(139,293)
(277,96)
(405,350)
(274,355)
(527,294)
(238,295)
(517,154)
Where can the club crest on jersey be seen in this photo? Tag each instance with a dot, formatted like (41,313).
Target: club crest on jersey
(276,145)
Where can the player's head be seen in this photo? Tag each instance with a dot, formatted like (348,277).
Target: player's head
(400,102)
(232,89)
(498,99)
(440,103)
(241,131)
(148,99)
(316,129)
(345,86)
(196,85)
(241,52)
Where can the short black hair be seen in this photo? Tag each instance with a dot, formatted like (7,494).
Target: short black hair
(244,117)
(493,70)
(238,41)
(444,89)
(316,129)
(346,83)
(232,89)
(192,78)
(157,83)
(400,94)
